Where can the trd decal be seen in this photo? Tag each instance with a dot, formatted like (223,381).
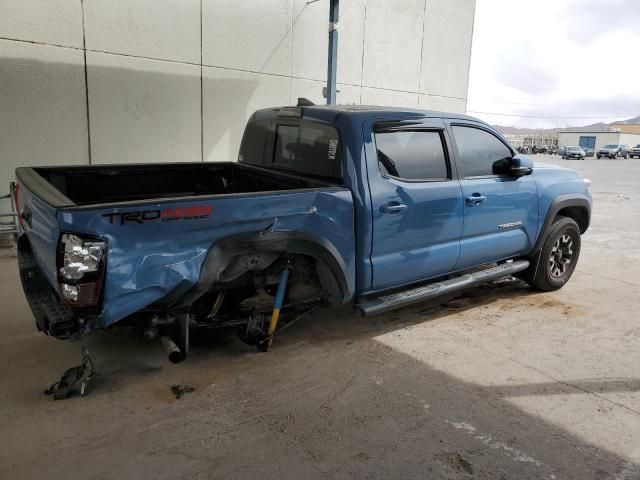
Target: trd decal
(167,215)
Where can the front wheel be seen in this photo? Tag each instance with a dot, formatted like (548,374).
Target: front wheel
(598,157)
(559,255)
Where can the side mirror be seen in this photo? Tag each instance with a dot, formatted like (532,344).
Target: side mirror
(521,166)
(518,166)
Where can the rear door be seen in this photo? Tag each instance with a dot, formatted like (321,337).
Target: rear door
(416,202)
(500,211)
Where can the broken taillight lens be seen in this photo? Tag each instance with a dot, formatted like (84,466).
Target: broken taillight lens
(81,264)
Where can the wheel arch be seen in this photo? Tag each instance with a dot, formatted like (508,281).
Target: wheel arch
(330,266)
(576,207)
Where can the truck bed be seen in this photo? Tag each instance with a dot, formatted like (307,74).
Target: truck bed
(106,184)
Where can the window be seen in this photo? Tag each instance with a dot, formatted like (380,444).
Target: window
(308,150)
(479,150)
(412,155)
(254,142)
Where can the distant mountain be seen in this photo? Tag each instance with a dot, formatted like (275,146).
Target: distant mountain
(632,121)
(595,127)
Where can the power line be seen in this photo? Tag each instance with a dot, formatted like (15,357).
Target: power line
(529,104)
(549,117)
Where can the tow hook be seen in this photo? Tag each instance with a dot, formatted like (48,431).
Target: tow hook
(84,373)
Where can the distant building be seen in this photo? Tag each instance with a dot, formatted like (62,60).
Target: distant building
(531,140)
(598,140)
(625,128)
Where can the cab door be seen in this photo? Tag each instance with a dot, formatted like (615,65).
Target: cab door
(416,203)
(500,211)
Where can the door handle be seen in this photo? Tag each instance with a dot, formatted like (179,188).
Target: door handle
(393,208)
(475,199)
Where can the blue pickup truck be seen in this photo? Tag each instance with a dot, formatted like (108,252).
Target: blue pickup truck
(326,205)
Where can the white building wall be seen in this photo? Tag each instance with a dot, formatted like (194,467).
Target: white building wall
(569,139)
(630,139)
(95,81)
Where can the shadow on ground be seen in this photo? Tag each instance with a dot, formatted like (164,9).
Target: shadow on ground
(328,402)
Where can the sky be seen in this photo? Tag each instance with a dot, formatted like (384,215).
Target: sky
(577,60)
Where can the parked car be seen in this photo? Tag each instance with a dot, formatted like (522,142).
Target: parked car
(574,152)
(635,151)
(588,151)
(382,207)
(560,151)
(613,151)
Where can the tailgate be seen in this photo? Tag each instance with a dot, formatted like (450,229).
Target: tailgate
(37,222)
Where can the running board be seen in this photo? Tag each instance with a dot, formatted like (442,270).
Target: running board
(385,303)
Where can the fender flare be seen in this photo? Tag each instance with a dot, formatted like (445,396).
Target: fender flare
(225,249)
(559,203)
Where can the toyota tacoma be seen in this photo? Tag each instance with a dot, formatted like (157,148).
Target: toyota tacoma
(325,205)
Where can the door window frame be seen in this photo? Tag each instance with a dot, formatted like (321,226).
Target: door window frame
(460,164)
(386,127)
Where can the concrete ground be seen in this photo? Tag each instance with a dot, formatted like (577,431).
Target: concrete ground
(499,383)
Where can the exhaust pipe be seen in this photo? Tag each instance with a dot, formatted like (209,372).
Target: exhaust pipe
(175,354)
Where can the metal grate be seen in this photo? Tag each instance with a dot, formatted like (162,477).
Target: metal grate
(8,220)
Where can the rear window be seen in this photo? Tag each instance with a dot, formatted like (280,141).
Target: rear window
(254,142)
(310,149)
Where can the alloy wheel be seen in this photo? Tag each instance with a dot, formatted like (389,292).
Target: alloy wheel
(561,255)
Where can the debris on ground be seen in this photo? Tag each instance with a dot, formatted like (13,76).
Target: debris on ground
(179,390)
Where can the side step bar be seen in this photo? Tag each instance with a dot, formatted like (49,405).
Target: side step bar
(385,303)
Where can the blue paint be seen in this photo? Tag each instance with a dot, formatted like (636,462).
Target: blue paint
(332,63)
(438,233)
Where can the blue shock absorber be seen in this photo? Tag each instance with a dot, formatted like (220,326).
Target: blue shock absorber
(282,289)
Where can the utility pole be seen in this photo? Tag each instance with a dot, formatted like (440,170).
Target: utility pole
(334,7)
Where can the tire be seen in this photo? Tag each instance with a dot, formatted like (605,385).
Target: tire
(598,157)
(553,269)
(626,156)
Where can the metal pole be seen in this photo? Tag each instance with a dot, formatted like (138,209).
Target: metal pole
(333,51)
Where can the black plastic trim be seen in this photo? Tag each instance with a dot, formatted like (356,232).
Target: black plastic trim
(558,203)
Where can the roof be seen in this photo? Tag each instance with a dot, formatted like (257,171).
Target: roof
(332,112)
(374,109)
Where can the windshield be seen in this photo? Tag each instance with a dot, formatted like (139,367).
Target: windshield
(610,146)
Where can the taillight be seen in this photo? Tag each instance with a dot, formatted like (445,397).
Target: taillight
(80,270)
